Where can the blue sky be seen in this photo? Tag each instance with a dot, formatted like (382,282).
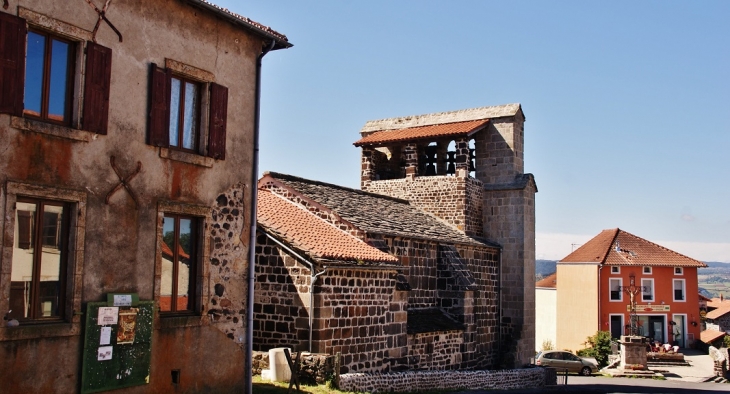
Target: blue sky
(627,103)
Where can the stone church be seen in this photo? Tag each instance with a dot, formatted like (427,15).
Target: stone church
(430,265)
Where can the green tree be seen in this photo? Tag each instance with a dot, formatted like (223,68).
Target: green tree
(598,346)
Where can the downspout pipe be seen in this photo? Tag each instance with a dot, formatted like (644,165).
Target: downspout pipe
(311,282)
(248,364)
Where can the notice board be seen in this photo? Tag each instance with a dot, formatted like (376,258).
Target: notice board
(117,343)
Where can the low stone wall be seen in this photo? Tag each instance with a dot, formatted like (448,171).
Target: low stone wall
(446,380)
(317,368)
(720,357)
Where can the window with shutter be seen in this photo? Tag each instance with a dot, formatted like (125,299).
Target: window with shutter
(12,63)
(176,116)
(96,88)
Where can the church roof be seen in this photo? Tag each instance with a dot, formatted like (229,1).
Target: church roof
(451,130)
(377,214)
(618,247)
(309,233)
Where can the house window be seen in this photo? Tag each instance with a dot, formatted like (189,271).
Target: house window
(678,271)
(647,293)
(38,70)
(48,77)
(178,117)
(615,289)
(615,269)
(647,270)
(38,270)
(678,289)
(179,263)
(184,113)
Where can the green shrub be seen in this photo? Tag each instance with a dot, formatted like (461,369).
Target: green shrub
(726,341)
(598,346)
(547,345)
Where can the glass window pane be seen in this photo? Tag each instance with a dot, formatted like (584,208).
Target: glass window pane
(58,86)
(168,242)
(191,105)
(184,265)
(50,274)
(21,274)
(175,112)
(34,73)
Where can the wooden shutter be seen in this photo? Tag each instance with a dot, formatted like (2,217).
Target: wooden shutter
(217,121)
(96,88)
(12,63)
(159,127)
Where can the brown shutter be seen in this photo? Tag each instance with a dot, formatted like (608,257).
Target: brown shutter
(96,88)
(217,121)
(12,63)
(159,127)
(24,229)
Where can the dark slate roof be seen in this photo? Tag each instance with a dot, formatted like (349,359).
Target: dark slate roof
(430,320)
(378,214)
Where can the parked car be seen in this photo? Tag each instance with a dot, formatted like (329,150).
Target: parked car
(567,360)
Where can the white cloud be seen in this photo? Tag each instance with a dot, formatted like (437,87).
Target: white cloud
(555,246)
(687,217)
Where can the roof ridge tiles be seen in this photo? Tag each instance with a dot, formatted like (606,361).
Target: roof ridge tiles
(488,112)
(278,175)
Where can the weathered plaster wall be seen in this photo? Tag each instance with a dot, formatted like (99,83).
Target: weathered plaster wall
(120,239)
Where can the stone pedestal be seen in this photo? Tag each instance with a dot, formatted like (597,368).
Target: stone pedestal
(633,353)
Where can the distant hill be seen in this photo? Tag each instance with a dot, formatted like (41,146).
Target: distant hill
(544,268)
(717,264)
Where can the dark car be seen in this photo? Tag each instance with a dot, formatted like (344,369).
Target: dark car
(567,360)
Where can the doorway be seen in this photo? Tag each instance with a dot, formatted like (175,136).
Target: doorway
(656,328)
(678,330)
(617,326)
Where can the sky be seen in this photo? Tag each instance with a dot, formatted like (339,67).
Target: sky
(627,103)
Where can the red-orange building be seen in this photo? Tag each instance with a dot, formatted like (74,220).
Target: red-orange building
(592,291)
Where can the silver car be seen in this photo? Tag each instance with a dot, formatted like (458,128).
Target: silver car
(567,360)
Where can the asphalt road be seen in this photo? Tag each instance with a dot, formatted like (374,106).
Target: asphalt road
(600,385)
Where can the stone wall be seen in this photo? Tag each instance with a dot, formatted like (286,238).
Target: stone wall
(456,200)
(443,380)
(314,367)
(435,350)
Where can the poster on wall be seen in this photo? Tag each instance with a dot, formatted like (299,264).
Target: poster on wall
(107,316)
(127,326)
(104,353)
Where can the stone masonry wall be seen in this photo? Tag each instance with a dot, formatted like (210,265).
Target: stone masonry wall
(443,380)
(435,350)
(354,317)
(281,299)
(457,200)
(314,367)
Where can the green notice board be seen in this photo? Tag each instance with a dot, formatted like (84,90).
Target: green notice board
(117,352)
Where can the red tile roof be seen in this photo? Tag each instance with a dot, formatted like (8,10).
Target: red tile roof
(423,132)
(167,251)
(718,302)
(550,281)
(719,312)
(618,247)
(709,336)
(312,235)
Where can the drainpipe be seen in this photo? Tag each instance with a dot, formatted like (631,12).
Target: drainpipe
(499,306)
(312,281)
(248,364)
(600,268)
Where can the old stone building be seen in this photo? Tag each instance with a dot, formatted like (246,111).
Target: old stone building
(459,221)
(126,160)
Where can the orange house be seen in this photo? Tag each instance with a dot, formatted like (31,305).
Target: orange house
(595,290)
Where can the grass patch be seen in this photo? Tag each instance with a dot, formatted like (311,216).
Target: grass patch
(261,386)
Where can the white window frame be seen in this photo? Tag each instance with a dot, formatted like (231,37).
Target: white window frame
(684,290)
(646,270)
(680,269)
(620,292)
(653,296)
(615,269)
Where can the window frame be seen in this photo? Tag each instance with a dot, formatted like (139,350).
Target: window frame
(198,110)
(70,324)
(37,243)
(647,270)
(620,292)
(196,316)
(45,84)
(674,290)
(615,269)
(653,293)
(678,270)
(194,266)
